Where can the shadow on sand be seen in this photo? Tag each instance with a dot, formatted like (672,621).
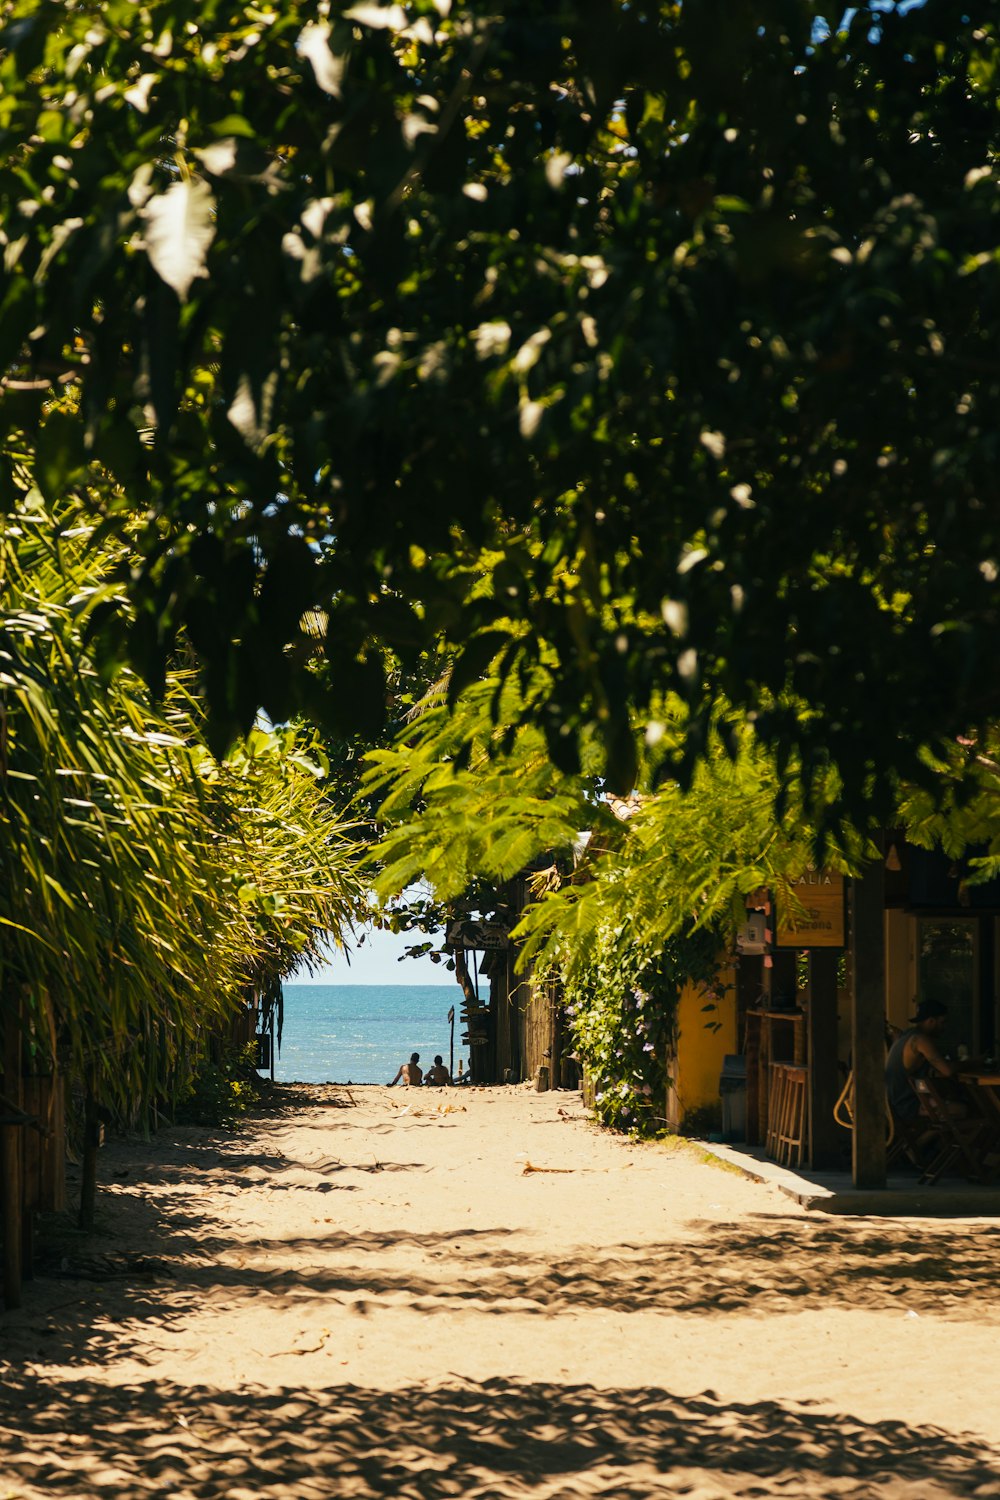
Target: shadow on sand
(123,1300)
(164,1252)
(767,1265)
(763,1263)
(483,1442)
(172,1248)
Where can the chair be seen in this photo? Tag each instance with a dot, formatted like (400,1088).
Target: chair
(775,1109)
(908,1141)
(987,1107)
(904,1139)
(962,1140)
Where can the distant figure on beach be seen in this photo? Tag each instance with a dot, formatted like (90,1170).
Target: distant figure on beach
(410,1073)
(438,1074)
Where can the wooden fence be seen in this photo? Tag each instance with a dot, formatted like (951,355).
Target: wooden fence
(32,1161)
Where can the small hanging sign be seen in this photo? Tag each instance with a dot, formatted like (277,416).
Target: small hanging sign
(819,923)
(482,935)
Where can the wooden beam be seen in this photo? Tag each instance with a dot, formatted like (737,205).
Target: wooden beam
(10,1157)
(868,1025)
(749,994)
(10,1154)
(502,1004)
(551,1000)
(824,1080)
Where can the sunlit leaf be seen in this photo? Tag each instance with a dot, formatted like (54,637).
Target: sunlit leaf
(180,227)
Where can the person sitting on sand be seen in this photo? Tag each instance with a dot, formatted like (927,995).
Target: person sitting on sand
(409,1072)
(438,1074)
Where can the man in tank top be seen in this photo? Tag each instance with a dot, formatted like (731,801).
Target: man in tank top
(915,1054)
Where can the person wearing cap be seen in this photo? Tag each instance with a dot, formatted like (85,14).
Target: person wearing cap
(915,1054)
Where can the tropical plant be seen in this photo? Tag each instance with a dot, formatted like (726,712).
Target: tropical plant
(146,891)
(686,856)
(632,900)
(456,807)
(678,321)
(220,1092)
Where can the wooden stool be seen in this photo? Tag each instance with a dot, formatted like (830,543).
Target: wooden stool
(776,1090)
(769,1032)
(790,1135)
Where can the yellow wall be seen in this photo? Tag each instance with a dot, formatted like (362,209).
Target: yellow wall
(700,1051)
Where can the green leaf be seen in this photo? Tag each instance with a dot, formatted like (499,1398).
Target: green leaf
(233,125)
(314,44)
(473,662)
(180,227)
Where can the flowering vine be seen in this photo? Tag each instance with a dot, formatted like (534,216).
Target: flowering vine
(622,1009)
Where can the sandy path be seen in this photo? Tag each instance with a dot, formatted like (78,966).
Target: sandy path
(379,1300)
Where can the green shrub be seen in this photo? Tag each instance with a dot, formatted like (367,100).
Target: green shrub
(220,1093)
(623,1014)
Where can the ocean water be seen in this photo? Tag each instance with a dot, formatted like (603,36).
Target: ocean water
(360,1033)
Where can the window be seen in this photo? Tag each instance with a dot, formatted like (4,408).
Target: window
(947,971)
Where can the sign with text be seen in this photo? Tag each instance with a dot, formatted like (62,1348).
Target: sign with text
(470,934)
(818,920)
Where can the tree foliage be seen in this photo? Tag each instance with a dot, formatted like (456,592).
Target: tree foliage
(456,808)
(961,816)
(685,313)
(147,892)
(631,900)
(682,858)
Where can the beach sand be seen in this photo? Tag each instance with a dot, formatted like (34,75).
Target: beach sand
(378,1292)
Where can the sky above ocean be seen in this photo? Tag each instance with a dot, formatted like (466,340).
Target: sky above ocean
(376,960)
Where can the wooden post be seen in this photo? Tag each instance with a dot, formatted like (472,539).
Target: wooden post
(750,997)
(554,990)
(10,1156)
(781,979)
(54,1150)
(519,1001)
(10,1149)
(774,983)
(672,1103)
(503,1036)
(868,1025)
(88,1170)
(451,1049)
(31,1173)
(824,1082)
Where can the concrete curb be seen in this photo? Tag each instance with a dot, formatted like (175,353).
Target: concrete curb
(834,1193)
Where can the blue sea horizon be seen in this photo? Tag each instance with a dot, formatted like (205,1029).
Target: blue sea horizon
(360,1033)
